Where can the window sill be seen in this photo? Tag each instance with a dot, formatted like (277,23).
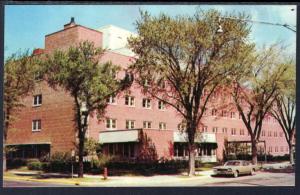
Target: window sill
(36,130)
(38,105)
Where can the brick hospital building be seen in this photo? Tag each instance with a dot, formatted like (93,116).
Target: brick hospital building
(134,126)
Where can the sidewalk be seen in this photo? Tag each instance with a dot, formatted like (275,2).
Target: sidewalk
(115,181)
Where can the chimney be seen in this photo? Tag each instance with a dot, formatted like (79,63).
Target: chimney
(70,24)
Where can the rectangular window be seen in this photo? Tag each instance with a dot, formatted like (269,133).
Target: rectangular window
(130,124)
(215,130)
(111,99)
(213,112)
(275,133)
(36,125)
(111,123)
(224,113)
(242,132)
(146,103)
(147,124)
(161,105)
(233,131)
(224,130)
(232,114)
(263,133)
(37,100)
(270,148)
(281,149)
(129,100)
(276,148)
(204,129)
(162,126)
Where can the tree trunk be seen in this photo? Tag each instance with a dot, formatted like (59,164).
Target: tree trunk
(80,154)
(291,153)
(191,159)
(254,152)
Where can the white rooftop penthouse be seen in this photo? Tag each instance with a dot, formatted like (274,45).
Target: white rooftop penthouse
(115,39)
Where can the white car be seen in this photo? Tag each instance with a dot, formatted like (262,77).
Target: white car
(235,168)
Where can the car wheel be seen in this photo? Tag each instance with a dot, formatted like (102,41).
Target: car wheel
(235,174)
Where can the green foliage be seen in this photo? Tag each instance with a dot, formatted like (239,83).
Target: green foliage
(20,70)
(189,55)
(35,166)
(91,147)
(60,162)
(79,71)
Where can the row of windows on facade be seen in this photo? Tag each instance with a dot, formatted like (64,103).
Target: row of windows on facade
(146,103)
(276,149)
(130,124)
(130,101)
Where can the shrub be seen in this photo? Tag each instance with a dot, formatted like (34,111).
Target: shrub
(35,166)
(59,162)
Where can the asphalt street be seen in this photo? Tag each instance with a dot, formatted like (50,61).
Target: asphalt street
(259,179)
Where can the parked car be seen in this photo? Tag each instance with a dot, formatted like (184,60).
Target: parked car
(235,168)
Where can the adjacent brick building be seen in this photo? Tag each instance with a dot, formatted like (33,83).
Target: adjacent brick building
(134,127)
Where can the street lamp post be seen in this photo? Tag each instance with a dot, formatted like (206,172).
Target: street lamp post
(220,30)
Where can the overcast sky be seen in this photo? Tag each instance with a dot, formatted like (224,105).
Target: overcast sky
(27,25)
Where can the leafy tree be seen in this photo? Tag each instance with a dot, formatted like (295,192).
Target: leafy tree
(180,57)
(89,83)
(284,109)
(255,89)
(20,70)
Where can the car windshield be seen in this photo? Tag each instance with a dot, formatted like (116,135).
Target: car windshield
(232,163)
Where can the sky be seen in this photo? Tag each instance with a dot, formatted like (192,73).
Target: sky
(26,25)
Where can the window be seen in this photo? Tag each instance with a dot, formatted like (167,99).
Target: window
(146,103)
(215,130)
(36,125)
(242,132)
(129,100)
(214,112)
(204,129)
(233,131)
(111,123)
(162,126)
(281,149)
(224,130)
(147,124)
(270,148)
(181,126)
(263,133)
(232,114)
(276,148)
(161,105)
(130,124)
(270,133)
(275,133)
(37,100)
(111,99)
(224,113)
